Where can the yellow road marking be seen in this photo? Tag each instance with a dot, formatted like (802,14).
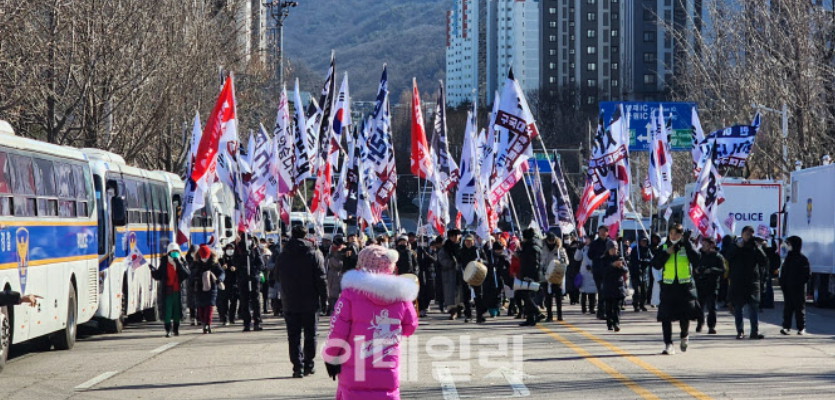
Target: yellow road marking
(641,363)
(638,389)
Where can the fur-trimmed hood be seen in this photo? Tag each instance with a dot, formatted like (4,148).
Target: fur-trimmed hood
(382,288)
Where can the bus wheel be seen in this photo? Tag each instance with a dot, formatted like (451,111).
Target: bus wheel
(65,339)
(151,314)
(112,325)
(5,334)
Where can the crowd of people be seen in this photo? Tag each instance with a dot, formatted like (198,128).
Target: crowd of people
(684,278)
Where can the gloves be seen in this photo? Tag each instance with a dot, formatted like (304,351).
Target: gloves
(333,370)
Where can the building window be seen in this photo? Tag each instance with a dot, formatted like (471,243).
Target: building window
(552,24)
(552,10)
(552,79)
(591,1)
(591,16)
(614,33)
(649,36)
(615,16)
(591,33)
(649,57)
(614,49)
(649,79)
(552,38)
(592,83)
(552,65)
(571,51)
(614,83)
(614,66)
(571,79)
(591,50)
(590,100)
(649,16)
(552,52)
(591,67)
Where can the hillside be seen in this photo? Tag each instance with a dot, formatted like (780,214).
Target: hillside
(407,35)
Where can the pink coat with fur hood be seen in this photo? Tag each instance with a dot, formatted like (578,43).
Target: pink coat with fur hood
(377,309)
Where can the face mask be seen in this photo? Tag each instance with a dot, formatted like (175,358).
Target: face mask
(230,252)
(788,248)
(175,254)
(204,259)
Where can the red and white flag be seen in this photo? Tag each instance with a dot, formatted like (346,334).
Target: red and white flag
(204,168)
(421,162)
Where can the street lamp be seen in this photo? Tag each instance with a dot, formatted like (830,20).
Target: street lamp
(279,10)
(784,113)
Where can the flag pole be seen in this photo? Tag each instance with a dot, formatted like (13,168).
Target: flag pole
(515,215)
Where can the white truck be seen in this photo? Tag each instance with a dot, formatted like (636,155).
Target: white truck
(747,202)
(810,214)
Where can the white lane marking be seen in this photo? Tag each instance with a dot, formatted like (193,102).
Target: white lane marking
(164,347)
(444,376)
(95,381)
(514,378)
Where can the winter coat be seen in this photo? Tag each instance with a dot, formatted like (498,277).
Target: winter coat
(530,258)
(549,256)
(230,279)
(795,273)
(494,283)
(573,267)
(707,274)
(256,266)
(350,262)
(588,285)
(448,260)
(301,271)
(614,279)
(334,275)
(206,298)
(747,265)
(677,299)
(597,249)
(377,308)
(407,262)
(161,272)
(639,262)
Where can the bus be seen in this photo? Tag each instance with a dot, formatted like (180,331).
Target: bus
(48,236)
(135,226)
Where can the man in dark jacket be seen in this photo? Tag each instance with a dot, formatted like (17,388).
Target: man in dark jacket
(638,265)
(427,256)
(249,265)
(301,270)
(597,249)
(408,260)
(707,273)
(748,264)
(227,307)
(793,278)
(530,258)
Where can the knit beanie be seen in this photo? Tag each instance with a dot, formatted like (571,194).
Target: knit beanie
(377,259)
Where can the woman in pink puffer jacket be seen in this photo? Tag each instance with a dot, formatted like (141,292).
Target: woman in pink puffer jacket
(373,313)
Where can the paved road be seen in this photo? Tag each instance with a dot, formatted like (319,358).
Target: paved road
(576,359)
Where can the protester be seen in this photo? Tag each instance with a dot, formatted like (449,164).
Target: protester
(552,253)
(530,258)
(250,266)
(301,270)
(427,257)
(334,262)
(264,286)
(573,270)
(597,249)
(674,259)
(375,307)
(227,305)
(794,275)
(209,278)
(449,262)
(709,271)
(747,266)
(587,286)
(491,289)
(638,267)
(407,262)
(191,257)
(171,272)
(468,253)
(614,284)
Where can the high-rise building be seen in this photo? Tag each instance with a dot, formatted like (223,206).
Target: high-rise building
(485,38)
(614,49)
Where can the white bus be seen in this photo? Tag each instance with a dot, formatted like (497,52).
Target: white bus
(48,236)
(135,226)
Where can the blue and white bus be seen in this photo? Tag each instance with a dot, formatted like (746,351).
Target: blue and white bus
(48,236)
(135,227)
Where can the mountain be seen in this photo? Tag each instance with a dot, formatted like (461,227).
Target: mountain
(409,36)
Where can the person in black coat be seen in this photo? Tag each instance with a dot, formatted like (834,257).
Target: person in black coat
(227,305)
(747,266)
(407,262)
(708,273)
(426,257)
(794,275)
(597,249)
(469,252)
(498,264)
(209,277)
(250,266)
(613,285)
(530,258)
(638,266)
(301,270)
(572,271)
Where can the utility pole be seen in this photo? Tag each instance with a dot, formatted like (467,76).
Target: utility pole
(279,10)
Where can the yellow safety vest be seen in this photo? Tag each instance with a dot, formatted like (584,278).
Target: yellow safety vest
(677,266)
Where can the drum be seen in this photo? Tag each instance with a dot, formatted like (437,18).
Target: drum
(519,284)
(475,273)
(556,272)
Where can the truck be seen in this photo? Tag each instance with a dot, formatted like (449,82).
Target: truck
(810,214)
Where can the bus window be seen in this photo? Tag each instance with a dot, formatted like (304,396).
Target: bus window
(5,186)
(23,185)
(45,184)
(82,191)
